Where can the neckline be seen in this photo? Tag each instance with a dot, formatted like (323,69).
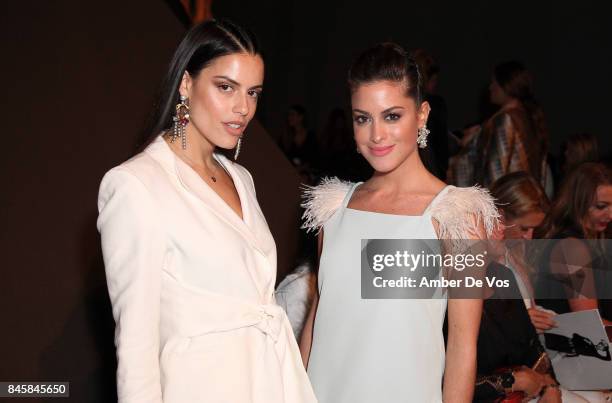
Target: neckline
(238,188)
(423,214)
(219,158)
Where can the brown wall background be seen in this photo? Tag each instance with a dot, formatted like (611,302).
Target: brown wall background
(77,82)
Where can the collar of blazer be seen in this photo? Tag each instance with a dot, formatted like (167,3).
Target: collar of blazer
(191,181)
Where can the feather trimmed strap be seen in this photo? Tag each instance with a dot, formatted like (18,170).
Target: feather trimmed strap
(461,211)
(321,202)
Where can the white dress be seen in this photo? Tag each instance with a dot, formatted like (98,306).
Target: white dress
(378,350)
(191,284)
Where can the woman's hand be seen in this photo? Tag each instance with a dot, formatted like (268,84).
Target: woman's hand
(541,320)
(528,381)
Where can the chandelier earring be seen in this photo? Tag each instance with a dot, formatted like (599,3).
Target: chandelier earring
(180,119)
(422,133)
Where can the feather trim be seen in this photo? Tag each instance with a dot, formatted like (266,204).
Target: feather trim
(321,202)
(461,211)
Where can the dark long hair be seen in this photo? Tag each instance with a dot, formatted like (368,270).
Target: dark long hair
(199,48)
(572,204)
(387,61)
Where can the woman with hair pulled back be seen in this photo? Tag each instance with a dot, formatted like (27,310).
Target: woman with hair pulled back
(389,350)
(190,261)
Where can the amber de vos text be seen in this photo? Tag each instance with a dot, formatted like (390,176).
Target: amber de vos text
(411,262)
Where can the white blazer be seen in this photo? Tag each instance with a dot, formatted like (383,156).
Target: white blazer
(191,286)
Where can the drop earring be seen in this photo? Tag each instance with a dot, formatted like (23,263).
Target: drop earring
(238,148)
(422,133)
(181,119)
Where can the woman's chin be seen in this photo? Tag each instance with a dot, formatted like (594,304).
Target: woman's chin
(383,165)
(227,144)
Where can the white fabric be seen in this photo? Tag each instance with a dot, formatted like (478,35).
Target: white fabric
(191,286)
(452,208)
(527,299)
(378,350)
(568,396)
(295,294)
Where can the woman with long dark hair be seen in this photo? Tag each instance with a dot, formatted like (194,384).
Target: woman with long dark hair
(511,359)
(514,139)
(380,350)
(573,271)
(190,261)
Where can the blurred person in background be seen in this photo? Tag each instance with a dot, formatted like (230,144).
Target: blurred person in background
(435,156)
(338,150)
(523,206)
(511,358)
(299,143)
(572,272)
(515,138)
(579,148)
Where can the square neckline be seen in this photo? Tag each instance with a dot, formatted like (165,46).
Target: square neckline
(425,212)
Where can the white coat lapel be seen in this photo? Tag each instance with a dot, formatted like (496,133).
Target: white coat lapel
(194,184)
(253,227)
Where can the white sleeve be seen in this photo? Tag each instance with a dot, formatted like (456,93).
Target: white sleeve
(133,247)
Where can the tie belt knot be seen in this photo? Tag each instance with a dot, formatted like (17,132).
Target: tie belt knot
(270,320)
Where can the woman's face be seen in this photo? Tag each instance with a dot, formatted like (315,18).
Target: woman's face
(599,214)
(523,226)
(496,93)
(223,98)
(385,123)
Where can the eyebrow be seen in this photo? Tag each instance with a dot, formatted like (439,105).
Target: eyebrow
(382,113)
(236,83)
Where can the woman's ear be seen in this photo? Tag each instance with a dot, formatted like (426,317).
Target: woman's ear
(423,113)
(186,84)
